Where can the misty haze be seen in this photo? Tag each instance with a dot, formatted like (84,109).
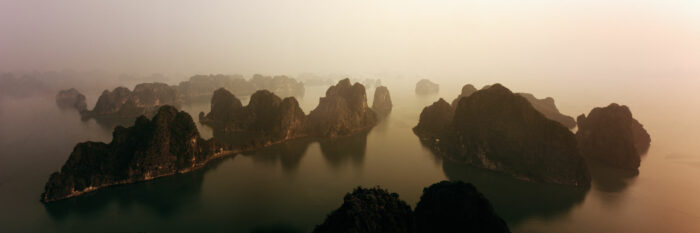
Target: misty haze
(349,116)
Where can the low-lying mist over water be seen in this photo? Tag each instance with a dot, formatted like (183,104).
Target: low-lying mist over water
(265,167)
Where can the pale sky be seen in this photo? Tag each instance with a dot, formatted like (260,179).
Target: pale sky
(537,38)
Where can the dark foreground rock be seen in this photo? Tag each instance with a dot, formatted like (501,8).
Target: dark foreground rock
(342,112)
(382,101)
(122,103)
(71,98)
(368,211)
(611,135)
(545,106)
(498,130)
(456,207)
(427,87)
(444,207)
(166,145)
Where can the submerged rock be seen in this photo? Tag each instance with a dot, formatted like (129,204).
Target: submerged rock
(71,98)
(121,103)
(456,207)
(613,136)
(369,211)
(342,112)
(166,145)
(499,130)
(382,101)
(427,87)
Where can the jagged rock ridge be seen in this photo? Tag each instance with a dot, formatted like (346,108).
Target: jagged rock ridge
(342,112)
(166,145)
(613,136)
(121,103)
(545,106)
(500,131)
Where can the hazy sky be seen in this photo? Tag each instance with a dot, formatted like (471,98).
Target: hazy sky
(527,38)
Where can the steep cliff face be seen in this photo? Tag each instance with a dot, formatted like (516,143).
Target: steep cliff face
(144,100)
(342,112)
(547,107)
(368,211)
(71,98)
(427,87)
(456,207)
(165,145)
(499,130)
(382,101)
(266,119)
(613,136)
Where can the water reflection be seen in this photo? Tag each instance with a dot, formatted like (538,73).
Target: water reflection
(340,151)
(166,196)
(516,200)
(289,154)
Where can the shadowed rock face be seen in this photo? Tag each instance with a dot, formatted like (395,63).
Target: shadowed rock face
(456,207)
(545,106)
(434,120)
(467,90)
(165,145)
(499,130)
(267,118)
(342,112)
(444,207)
(613,136)
(382,101)
(125,104)
(71,98)
(368,211)
(427,87)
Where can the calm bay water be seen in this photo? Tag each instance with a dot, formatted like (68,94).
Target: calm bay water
(291,187)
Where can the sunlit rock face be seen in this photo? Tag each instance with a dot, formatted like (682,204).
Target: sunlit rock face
(144,100)
(545,106)
(611,135)
(427,87)
(369,211)
(71,98)
(167,144)
(501,131)
(266,119)
(456,207)
(382,101)
(342,112)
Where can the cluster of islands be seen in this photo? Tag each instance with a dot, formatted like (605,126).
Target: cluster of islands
(493,128)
